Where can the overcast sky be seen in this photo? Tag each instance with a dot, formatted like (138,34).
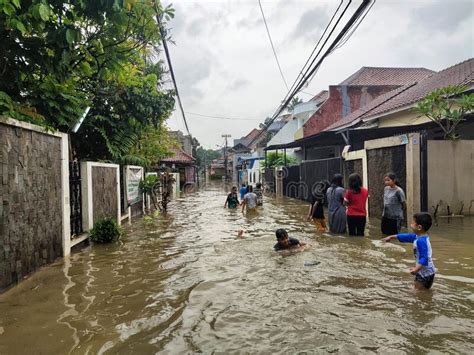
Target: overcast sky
(224,64)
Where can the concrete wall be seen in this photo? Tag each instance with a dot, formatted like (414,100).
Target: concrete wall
(450,173)
(34,199)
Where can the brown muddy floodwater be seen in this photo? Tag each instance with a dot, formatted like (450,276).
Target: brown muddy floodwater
(185,284)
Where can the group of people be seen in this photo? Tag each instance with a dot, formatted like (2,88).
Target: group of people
(347,208)
(250,197)
(424,269)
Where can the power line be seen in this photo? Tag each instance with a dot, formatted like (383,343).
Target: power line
(168,58)
(273,47)
(313,69)
(346,38)
(304,76)
(301,74)
(223,117)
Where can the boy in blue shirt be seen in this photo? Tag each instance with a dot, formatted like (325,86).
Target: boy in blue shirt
(424,269)
(243,191)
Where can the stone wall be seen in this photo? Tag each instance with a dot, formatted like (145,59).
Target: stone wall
(351,167)
(380,162)
(30,202)
(104,193)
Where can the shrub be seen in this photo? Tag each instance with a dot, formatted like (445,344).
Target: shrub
(105,230)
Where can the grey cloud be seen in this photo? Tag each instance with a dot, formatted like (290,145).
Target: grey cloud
(443,15)
(195,28)
(239,83)
(311,23)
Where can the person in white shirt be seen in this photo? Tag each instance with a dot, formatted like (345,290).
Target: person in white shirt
(250,200)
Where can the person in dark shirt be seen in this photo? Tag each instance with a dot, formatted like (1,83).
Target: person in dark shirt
(232,199)
(316,213)
(285,242)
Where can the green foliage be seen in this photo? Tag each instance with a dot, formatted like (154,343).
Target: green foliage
(447,107)
(294,101)
(147,185)
(274,160)
(154,145)
(59,57)
(105,230)
(205,156)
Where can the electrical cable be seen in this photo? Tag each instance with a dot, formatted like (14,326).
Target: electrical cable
(357,14)
(168,58)
(273,47)
(223,117)
(315,47)
(346,38)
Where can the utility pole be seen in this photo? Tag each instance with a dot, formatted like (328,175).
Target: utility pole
(225,136)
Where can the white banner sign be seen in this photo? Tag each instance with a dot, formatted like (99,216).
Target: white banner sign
(134,175)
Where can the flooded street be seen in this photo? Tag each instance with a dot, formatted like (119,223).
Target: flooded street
(185,284)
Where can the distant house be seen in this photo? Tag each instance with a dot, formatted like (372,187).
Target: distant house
(182,163)
(300,115)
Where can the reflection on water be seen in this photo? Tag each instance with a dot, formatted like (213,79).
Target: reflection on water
(184,283)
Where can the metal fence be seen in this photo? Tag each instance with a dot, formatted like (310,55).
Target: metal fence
(75,198)
(312,172)
(269,180)
(291,182)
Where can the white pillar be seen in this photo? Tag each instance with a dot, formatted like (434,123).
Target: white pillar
(65,198)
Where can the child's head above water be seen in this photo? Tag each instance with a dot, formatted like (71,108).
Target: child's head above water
(421,223)
(282,237)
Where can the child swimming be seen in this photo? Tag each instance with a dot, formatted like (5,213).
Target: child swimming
(285,242)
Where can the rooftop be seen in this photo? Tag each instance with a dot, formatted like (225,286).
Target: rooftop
(373,76)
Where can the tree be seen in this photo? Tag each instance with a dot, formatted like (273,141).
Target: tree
(154,145)
(294,101)
(447,107)
(59,57)
(204,157)
(274,160)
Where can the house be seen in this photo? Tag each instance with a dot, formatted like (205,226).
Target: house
(300,115)
(357,91)
(423,154)
(395,107)
(386,135)
(182,163)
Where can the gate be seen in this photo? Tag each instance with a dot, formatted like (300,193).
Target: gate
(269,176)
(291,182)
(318,170)
(75,198)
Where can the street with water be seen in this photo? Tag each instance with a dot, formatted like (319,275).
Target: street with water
(184,283)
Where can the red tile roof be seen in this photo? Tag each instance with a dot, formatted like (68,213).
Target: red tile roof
(253,133)
(386,76)
(179,156)
(459,74)
(322,96)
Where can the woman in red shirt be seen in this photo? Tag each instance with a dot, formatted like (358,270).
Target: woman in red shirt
(356,200)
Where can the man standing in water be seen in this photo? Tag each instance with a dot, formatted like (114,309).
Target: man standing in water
(250,200)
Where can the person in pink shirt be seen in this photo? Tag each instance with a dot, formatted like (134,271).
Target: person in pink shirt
(356,199)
